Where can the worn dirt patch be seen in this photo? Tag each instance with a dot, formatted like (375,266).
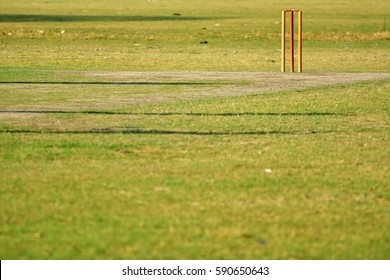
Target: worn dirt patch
(97,90)
(235,83)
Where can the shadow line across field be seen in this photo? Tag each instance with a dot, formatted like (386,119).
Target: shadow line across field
(113,83)
(134,130)
(162,132)
(305,114)
(70,18)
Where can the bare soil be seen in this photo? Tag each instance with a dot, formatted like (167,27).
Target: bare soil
(233,83)
(96,90)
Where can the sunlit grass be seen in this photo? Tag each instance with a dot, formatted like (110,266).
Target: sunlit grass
(101,165)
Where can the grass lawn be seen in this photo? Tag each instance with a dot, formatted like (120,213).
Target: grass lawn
(99,160)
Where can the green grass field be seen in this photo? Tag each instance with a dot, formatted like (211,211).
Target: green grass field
(123,135)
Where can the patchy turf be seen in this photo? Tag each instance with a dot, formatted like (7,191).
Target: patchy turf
(293,174)
(126,88)
(124,135)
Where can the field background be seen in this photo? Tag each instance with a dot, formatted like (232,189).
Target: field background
(145,35)
(111,147)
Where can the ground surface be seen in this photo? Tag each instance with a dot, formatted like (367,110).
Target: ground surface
(197,84)
(240,83)
(163,130)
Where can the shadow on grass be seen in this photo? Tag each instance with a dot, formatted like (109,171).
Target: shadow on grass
(130,130)
(111,83)
(162,132)
(70,18)
(304,114)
